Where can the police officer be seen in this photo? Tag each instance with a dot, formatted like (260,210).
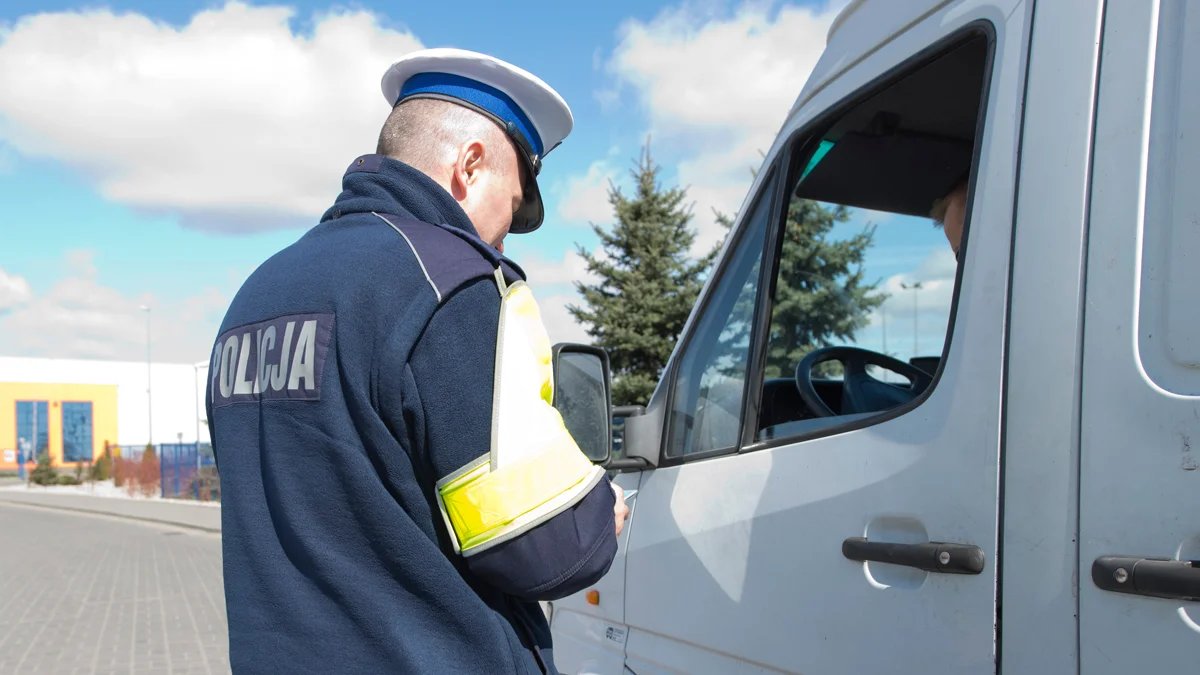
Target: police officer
(398,492)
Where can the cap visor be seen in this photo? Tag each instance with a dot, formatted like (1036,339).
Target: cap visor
(529,216)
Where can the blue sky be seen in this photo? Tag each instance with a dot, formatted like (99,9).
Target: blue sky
(155,152)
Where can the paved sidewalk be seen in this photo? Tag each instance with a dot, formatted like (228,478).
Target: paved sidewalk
(89,595)
(205,517)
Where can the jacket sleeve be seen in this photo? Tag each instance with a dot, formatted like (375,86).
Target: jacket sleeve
(536,523)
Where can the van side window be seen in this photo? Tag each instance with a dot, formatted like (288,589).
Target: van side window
(709,389)
(866,260)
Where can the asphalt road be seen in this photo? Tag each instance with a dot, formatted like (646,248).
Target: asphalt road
(83,594)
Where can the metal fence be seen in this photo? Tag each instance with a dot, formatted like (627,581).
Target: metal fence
(188,471)
(132,453)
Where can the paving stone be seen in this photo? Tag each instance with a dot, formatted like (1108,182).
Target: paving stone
(89,595)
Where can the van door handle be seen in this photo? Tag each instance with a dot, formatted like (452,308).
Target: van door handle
(931,556)
(1153,577)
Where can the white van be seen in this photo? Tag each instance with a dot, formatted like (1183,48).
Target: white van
(1024,502)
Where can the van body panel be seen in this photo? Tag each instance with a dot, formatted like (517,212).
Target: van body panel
(860,30)
(1139,485)
(1040,517)
(591,638)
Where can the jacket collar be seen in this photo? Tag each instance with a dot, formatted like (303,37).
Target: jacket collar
(385,185)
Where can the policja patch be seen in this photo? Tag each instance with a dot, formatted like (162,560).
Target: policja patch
(281,358)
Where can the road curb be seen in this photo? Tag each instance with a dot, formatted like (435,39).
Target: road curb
(111,514)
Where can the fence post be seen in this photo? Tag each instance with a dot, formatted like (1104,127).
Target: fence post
(195,463)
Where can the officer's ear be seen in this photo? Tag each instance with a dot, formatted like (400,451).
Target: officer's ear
(468,167)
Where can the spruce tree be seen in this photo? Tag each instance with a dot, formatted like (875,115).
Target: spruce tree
(647,284)
(820,296)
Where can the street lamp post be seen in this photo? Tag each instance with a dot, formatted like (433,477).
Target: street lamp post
(883,315)
(196,396)
(915,287)
(149,398)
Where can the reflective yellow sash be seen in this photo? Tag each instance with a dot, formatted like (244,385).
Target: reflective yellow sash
(534,470)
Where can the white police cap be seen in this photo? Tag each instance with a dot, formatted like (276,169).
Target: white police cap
(533,115)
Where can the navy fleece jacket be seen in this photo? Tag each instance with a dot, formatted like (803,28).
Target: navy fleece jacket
(352,371)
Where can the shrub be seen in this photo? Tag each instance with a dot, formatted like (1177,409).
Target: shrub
(44,474)
(148,476)
(120,471)
(103,468)
(68,480)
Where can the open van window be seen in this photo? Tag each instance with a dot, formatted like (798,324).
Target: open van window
(841,346)
(891,163)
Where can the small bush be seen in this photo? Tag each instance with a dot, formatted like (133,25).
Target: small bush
(44,474)
(68,480)
(148,476)
(103,468)
(122,471)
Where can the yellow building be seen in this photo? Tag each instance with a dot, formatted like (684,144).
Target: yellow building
(72,421)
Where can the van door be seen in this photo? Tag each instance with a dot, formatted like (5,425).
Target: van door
(826,499)
(1139,597)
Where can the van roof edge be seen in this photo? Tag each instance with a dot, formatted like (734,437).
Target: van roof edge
(842,16)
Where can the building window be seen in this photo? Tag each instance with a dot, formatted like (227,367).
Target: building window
(77,431)
(29,425)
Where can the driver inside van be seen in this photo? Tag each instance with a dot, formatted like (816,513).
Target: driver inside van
(950,211)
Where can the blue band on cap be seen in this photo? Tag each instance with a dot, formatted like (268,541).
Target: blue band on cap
(477,93)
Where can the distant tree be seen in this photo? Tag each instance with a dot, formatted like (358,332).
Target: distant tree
(102,469)
(148,476)
(648,281)
(820,295)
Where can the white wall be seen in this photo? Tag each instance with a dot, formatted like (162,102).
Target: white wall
(177,391)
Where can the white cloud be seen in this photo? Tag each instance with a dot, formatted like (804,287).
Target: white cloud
(543,273)
(929,306)
(718,89)
(80,318)
(738,73)
(560,325)
(584,199)
(14,291)
(80,262)
(552,282)
(232,116)
(936,276)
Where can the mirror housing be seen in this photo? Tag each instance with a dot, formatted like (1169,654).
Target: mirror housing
(583,396)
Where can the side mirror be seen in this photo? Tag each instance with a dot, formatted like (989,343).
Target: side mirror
(583,397)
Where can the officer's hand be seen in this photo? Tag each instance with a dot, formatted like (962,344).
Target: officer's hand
(620,510)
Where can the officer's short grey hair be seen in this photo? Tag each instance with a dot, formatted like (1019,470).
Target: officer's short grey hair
(426,133)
